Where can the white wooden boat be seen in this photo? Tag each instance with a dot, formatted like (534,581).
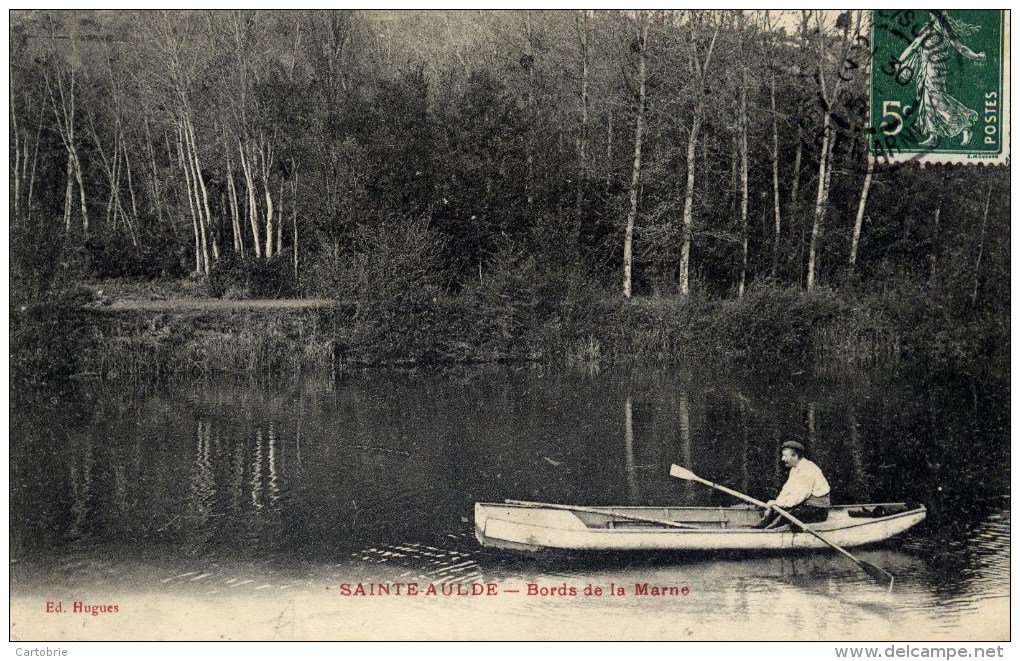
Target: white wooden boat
(535,527)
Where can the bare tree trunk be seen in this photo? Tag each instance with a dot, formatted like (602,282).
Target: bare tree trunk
(933,255)
(205,194)
(157,197)
(24,160)
(859,219)
(981,250)
(609,150)
(825,160)
(734,186)
(131,185)
(130,220)
(799,153)
(202,221)
(529,180)
(68,194)
(775,171)
(743,186)
(824,168)
(64,113)
(235,215)
(279,224)
(269,219)
(252,209)
(115,180)
(81,192)
(743,159)
(109,168)
(16,136)
(293,215)
(214,240)
(688,217)
(35,160)
(269,203)
(635,178)
(186,165)
(582,140)
(821,200)
(797,156)
(701,70)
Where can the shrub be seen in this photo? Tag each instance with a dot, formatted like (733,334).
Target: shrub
(768,323)
(510,300)
(333,271)
(233,276)
(402,275)
(118,257)
(49,336)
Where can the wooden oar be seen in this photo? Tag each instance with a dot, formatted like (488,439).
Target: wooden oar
(595,510)
(877,574)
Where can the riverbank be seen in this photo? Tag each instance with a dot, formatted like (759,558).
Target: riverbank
(111,334)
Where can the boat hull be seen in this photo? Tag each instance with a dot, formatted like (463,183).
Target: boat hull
(532,529)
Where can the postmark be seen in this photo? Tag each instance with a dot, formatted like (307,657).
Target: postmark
(940,86)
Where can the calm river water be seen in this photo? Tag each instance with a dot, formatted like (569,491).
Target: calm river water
(217,509)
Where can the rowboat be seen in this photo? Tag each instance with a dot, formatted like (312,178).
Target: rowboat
(533,527)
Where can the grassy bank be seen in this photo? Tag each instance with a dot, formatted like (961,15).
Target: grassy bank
(70,336)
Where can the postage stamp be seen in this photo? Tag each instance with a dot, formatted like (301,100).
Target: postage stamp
(940,86)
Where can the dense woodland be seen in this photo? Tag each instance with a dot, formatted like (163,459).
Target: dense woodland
(373,156)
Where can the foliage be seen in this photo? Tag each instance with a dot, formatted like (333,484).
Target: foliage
(401,275)
(116,256)
(233,276)
(39,258)
(516,294)
(769,323)
(429,167)
(332,119)
(49,337)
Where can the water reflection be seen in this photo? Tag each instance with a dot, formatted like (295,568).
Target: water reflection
(628,442)
(376,478)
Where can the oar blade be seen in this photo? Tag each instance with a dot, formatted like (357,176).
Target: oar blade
(682,473)
(877,574)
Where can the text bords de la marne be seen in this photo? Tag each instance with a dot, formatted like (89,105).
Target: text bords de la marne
(475,589)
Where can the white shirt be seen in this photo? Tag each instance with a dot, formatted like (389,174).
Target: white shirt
(806,480)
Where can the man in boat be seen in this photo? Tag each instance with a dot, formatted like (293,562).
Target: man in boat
(805,494)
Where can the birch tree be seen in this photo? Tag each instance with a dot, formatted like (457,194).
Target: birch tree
(743,121)
(584,29)
(25,141)
(181,50)
(804,40)
(827,93)
(329,49)
(641,21)
(824,154)
(859,217)
(699,66)
(62,92)
(114,158)
(528,62)
(239,31)
(769,54)
(981,249)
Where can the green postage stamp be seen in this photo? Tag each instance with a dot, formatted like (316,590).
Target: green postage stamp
(940,86)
